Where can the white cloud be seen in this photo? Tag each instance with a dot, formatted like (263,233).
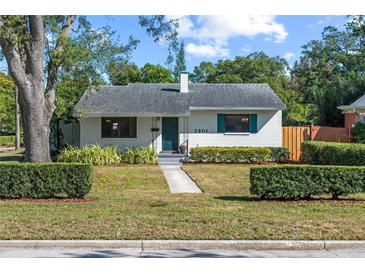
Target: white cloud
(321,22)
(206,50)
(223,27)
(246,48)
(288,56)
(215,31)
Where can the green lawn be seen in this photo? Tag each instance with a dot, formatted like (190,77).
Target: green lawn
(133,202)
(7,140)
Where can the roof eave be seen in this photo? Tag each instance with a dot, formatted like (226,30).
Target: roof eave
(236,108)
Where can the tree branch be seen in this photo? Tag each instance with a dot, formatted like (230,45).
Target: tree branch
(55,61)
(35,55)
(12,55)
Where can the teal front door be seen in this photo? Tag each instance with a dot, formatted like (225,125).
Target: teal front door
(170,137)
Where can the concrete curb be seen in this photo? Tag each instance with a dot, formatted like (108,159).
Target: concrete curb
(234,245)
(71,244)
(185,244)
(330,245)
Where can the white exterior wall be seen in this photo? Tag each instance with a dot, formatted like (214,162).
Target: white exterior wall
(269,123)
(269,132)
(90,133)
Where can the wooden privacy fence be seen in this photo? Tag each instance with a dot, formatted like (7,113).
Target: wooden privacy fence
(293,137)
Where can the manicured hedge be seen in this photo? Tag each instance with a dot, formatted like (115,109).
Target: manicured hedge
(303,181)
(33,180)
(230,154)
(330,153)
(279,154)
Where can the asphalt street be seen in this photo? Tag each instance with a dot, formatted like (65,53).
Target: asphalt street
(185,253)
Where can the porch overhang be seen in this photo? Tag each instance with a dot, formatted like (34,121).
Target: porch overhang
(347,109)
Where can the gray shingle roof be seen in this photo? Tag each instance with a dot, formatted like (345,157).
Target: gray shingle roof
(165,99)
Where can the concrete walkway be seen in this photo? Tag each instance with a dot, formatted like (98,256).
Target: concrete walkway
(177,179)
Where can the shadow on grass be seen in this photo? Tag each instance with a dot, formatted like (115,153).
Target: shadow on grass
(309,200)
(239,198)
(12,156)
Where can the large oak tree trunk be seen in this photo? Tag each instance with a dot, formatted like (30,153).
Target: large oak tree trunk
(36,133)
(26,67)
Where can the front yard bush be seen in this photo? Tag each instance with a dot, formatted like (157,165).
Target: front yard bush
(33,180)
(144,155)
(303,181)
(230,154)
(92,154)
(358,133)
(331,153)
(279,154)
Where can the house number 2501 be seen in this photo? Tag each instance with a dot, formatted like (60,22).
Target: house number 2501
(200,130)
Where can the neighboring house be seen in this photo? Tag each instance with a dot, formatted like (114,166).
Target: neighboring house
(168,117)
(354,113)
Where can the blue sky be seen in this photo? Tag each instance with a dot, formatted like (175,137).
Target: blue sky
(210,38)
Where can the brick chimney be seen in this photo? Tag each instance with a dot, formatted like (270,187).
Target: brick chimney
(350,119)
(184,82)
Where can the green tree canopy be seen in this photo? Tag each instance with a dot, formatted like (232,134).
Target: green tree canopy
(123,73)
(180,65)
(7,105)
(331,70)
(155,74)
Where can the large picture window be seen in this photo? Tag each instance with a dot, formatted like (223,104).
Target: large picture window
(237,123)
(119,127)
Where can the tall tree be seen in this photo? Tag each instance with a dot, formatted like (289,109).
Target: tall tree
(155,74)
(123,73)
(23,42)
(204,73)
(36,48)
(331,71)
(180,65)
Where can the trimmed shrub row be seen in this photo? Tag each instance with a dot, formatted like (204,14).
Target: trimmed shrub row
(330,153)
(279,154)
(303,181)
(51,180)
(96,155)
(237,154)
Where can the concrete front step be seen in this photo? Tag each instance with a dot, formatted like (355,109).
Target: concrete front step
(171,155)
(171,159)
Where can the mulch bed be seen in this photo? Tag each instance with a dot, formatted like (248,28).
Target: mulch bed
(51,200)
(300,201)
(321,201)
